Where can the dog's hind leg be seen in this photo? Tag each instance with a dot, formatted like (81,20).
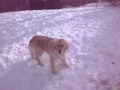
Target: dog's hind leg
(38,55)
(32,55)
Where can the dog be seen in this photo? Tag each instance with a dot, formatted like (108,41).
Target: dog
(56,49)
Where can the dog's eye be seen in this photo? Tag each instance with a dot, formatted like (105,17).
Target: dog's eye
(62,45)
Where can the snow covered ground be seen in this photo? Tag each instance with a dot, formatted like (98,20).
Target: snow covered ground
(94,54)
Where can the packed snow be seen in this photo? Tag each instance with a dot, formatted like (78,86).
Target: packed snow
(93,33)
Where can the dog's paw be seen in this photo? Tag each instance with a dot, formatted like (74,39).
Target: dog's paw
(40,64)
(67,66)
(55,72)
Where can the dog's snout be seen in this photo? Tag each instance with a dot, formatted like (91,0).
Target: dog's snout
(59,51)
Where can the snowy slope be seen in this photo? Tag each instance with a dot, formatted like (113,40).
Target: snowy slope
(94,55)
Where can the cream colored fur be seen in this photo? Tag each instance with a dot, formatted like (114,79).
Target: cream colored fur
(56,48)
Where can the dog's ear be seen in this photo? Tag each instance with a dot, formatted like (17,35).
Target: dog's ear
(65,44)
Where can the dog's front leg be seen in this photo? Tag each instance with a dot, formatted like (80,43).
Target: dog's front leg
(63,60)
(52,65)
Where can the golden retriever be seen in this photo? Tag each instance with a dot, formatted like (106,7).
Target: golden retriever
(56,48)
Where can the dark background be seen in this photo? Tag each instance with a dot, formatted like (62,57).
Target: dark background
(16,5)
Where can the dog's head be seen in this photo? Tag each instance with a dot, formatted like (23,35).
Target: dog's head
(59,45)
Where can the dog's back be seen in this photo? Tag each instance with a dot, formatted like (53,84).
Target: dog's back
(39,41)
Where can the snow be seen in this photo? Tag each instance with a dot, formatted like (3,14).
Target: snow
(93,34)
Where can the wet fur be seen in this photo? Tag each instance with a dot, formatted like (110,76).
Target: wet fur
(56,48)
